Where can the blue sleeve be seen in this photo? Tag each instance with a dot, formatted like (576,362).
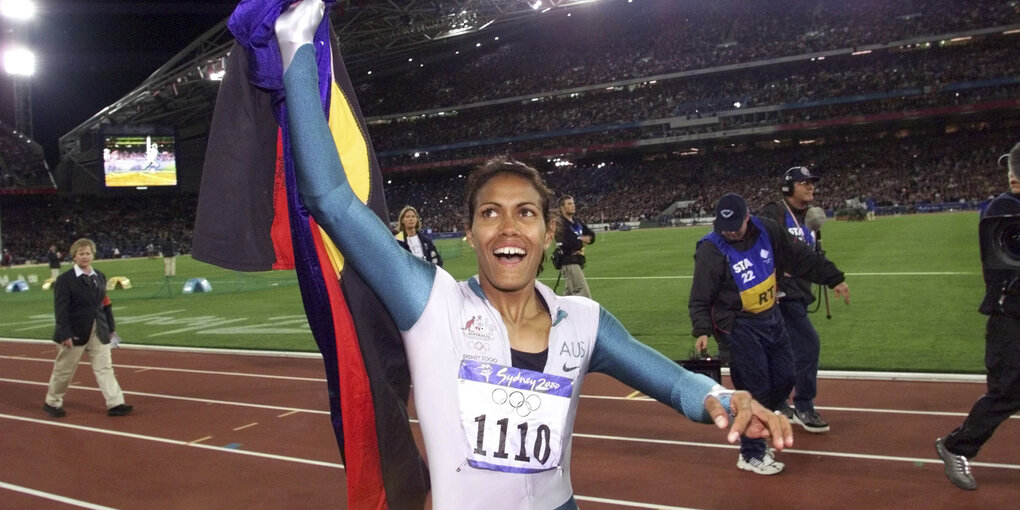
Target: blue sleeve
(620,355)
(401,281)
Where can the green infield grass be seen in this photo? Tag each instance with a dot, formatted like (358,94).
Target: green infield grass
(915,283)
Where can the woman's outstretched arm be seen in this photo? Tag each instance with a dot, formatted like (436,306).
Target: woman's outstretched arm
(401,281)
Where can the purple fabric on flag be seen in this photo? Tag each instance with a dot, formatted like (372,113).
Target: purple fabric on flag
(253,25)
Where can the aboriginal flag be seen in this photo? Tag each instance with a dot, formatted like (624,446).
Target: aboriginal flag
(251,219)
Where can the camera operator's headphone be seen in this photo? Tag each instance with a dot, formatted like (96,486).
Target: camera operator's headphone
(789,179)
(794,175)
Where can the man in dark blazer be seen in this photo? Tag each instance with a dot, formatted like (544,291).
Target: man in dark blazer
(84,323)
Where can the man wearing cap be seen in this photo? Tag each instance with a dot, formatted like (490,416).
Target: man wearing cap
(798,187)
(1002,348)
(733,297)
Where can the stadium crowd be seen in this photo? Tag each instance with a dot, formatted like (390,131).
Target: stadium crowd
(915,79)
(123,226)
(625,41)
(904,172)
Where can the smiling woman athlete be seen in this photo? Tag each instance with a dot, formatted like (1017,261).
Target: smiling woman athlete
(497,361)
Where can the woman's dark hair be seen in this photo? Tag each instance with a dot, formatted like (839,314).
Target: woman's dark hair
(499,166)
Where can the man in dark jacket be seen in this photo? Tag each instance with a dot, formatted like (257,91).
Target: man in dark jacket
(169,250)
(53,257)
(798,187)
(84,323)
(571,237)
(1002,345)
(733,297)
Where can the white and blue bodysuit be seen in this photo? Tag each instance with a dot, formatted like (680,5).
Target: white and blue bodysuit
(496,436)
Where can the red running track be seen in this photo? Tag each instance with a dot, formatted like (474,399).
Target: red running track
(231,430)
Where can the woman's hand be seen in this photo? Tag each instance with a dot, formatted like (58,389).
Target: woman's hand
(750,419)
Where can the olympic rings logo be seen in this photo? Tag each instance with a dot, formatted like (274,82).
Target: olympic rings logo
(479,346)
(516,401)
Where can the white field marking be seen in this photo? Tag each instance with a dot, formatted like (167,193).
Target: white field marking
(790,450)
(174,442)
(54,497)
(242,427)
(178,397)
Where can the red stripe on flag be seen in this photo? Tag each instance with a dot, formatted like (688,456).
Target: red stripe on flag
(365,489)
(283,248)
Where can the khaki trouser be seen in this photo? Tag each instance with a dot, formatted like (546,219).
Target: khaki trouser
(169,266)
(66,365)
(574,282)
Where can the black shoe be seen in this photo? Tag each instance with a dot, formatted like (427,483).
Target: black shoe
(56,412)
(120,410)
(811,421)
(786,410)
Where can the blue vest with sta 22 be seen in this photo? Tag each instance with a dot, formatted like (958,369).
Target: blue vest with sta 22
(804,234)
(753,270)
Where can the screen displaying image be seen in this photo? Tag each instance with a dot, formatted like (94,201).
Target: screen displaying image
(139,161)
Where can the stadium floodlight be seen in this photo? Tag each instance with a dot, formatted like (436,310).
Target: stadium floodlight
(17,9)
(19,61)
(536,5)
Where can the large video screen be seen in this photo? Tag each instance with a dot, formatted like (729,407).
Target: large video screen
(139,161)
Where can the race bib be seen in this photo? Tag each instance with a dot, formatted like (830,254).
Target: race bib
(513,419)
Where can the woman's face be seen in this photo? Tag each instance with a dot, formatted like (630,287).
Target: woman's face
(410,220)
(508,233)
(83,257)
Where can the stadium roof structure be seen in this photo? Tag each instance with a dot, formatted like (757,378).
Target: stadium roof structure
(182,92)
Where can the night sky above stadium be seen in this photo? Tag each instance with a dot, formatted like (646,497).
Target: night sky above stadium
(91,53)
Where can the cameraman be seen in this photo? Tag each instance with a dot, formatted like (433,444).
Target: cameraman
(571,237)
(798,187)
(1002,351)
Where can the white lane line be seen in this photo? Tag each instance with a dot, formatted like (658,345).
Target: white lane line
(189,350)
(291,410)
(673,442)
(178,397)
(143,368)
(174,442)
(631,504)
(898,411)
(839,374)
(54,497)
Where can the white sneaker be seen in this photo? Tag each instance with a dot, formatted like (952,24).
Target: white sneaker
(768,465)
